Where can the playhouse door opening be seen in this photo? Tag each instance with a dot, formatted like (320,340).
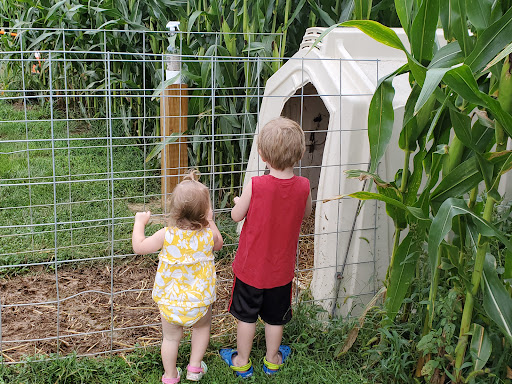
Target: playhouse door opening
(308,109)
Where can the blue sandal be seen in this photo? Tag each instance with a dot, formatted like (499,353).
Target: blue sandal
(271,368)
(244,372)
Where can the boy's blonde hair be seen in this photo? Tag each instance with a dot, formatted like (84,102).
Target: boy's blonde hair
(281,143)
(190,203)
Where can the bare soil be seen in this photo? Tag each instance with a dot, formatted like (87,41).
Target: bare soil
(85,319)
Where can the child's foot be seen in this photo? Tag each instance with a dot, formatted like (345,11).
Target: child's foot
(196,373)
(172,380)
(227,356)
(235,359)
(271,368)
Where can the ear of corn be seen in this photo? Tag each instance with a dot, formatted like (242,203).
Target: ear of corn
(505,99)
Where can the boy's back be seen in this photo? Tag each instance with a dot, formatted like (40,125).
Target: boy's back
(268,243)
(273,207)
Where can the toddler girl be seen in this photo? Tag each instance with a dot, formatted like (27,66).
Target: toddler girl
(184,286)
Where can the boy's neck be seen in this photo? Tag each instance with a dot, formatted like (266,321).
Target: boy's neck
(286,173)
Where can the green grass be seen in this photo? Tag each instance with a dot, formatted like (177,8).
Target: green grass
(81,176)
(78,180)
(313,344)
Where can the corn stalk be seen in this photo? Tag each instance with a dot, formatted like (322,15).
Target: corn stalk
(445,93)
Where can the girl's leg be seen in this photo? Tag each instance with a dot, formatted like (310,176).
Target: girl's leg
(200,338)
(273,338)
(172,335)
(244,337)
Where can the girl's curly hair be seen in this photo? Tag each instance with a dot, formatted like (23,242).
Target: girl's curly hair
(190,203)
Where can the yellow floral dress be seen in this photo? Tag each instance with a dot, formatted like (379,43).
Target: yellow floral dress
(185,279)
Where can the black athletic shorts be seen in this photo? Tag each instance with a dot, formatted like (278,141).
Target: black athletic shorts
(273,305)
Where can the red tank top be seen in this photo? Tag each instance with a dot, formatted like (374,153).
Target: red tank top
(268,243)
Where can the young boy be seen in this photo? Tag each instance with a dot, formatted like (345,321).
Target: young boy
(273,206)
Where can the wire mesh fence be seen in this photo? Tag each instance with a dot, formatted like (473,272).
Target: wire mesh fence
(84,146)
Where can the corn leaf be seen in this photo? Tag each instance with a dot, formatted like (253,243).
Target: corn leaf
(497,301)
(160,146)
(445,16)
(323,15)
(423,30)
(378,32)
(462,127)
(53,9)
(481,347)
(380,121)
(192,19)
(381,117)
(404,11)
(460,180)
(479,13)
(402,272)
(386,198)
(362,9)
(447,56)
(442,224)
(506,51)
(295,13)
(458,25)
(462,81)
(432,80)
(163,85)
(493,40)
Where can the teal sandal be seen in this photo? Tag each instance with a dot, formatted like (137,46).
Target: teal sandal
(244,372)
(271,368)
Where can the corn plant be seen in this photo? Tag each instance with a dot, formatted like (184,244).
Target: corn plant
(77,26)
(138,27)
(215,36)
(454,135)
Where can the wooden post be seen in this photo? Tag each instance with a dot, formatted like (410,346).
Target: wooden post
(173,119)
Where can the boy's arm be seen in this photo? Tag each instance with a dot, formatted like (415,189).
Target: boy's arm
(218,241)
(141,244)
(309,206)
(242,204)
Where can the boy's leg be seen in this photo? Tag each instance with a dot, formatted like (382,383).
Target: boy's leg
(244,337)
(244,305)
(275,312)
(172,335)
(200,339)
(273,338)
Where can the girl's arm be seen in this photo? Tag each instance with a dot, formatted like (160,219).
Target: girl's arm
(242,204)
(218,241)
(141,244)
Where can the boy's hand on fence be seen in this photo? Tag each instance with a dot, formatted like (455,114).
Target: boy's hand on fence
(236,199)
(142,217)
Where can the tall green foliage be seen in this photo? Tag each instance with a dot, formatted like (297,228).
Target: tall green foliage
(455,130)
(215,35)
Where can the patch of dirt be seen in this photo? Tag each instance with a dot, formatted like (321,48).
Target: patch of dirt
(20,106)
(85,319)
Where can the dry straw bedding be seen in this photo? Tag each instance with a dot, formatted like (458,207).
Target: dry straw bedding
(84,314)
